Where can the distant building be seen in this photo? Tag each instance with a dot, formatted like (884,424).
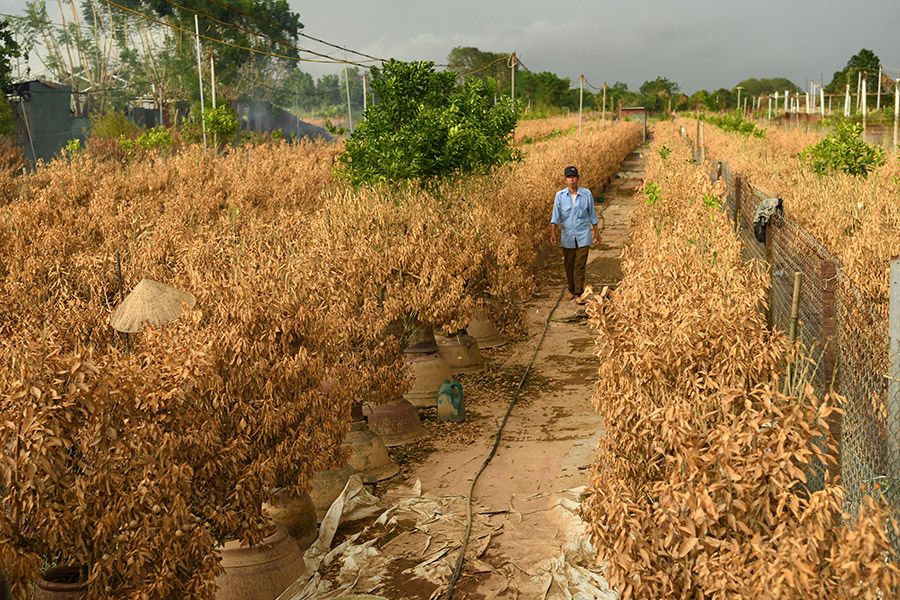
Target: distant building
(44,118)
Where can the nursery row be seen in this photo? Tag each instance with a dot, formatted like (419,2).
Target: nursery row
(700,487)
(137,455)
(856,218)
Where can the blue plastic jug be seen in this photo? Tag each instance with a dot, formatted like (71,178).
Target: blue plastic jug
(450,405)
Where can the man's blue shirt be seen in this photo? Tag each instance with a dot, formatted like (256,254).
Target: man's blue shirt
(575,221)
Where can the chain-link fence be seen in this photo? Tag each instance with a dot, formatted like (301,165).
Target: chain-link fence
(846,333)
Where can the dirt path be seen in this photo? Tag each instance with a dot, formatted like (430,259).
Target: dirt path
(549,440)
(528,538)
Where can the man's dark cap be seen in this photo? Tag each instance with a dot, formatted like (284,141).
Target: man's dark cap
(571,171)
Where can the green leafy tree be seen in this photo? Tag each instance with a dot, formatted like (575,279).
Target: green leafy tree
(844,151)
(759,87)
(9,50)
(265,25)
(548,90)
(426,125)
(655,95)
(618,93)
(468,61)
(864,61)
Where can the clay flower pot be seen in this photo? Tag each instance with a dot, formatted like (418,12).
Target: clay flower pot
(485,332)
(62,583)
(429,372)
(369,456)
(294,514)
(258,572)
(327,486)
(460,352)
(396,422)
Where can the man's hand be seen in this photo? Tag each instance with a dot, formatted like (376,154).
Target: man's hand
(554,235)
(595,239)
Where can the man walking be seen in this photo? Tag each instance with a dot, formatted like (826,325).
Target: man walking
(574,214)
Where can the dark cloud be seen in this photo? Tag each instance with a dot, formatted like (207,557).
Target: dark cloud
(697,43)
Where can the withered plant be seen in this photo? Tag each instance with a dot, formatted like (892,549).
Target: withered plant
(701,485)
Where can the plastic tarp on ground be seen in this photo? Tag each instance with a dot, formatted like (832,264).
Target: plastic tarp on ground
(535,549)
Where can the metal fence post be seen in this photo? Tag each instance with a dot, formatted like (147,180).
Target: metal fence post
(828,321)
(828,337)
(894,371)
(770,312)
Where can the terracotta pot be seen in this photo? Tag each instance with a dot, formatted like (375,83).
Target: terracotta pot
(294,514)
(429,372)
(369,456)
(460,352)
(422,341)
(485,332)
(260,572)
(62,583)
(396,422)
(327,486)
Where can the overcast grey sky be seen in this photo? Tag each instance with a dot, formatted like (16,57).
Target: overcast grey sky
(697,43)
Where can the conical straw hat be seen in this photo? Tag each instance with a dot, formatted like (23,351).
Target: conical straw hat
(149,303)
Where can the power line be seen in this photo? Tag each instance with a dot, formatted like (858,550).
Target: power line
(258,19)
(226,42)
(263,35)
(505,57)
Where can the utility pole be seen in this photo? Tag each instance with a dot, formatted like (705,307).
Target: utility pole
(604,105)
(200,77)
(365,93)
(512,76)
(212,79)
(739,88)
(212,72)
(859,87)
(864,107)
(580,103)
(878,102)
(349,110)
(847,101)
(896,110)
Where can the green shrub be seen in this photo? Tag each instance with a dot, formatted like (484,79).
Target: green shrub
(73,147)
(7,119)
(221,122)
(426,125)
(113,125)
(735,122)
(844,151)
(157,139)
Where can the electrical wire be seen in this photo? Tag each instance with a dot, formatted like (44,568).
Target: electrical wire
(592,86)
(465,543)
(260,20)
(226,42)
(284,43)
(507,58)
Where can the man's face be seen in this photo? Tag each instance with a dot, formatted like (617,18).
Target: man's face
(572,181)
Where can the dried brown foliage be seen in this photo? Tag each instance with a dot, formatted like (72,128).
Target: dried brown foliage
(856,219)
(138,462)
(698,488)
(537,129)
